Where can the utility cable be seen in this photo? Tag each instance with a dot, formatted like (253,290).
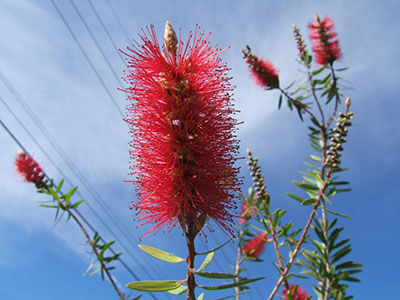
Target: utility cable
(77,211)
(60,151)
(117,19)
(107,32)
(88,59)
(96,42)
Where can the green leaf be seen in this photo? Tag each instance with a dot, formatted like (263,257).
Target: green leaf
(215,249)
(206,261)
(337,214)
(230,285)
(68,196)
(154,286)
(53,193)
(314,157)
(280,102)
(309,201)
(138,297)
(179,290)
(162,255)
(95,272)
(295,197)
(306,186)
(75,205)
(201,296)
(216,275)
(48,206)
(59,186)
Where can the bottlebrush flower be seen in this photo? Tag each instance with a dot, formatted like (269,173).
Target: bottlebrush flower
(246,212)
(262,71)
(28,168)
(322,33)
(256,245)
(296,292)
(183,143)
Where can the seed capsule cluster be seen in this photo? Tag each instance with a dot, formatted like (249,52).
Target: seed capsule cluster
(258,179)
(301,46)
(338,139)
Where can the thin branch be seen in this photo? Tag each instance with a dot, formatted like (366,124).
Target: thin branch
(103,265)
(303,235)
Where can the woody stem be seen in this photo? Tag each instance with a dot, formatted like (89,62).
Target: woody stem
(190,280)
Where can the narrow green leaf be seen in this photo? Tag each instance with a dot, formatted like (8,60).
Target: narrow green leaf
(53,193)
(59,186)
(179,290)
(230,285)
(215,249)
(309,201)
(201,296)
(216,275)
(138,297)
(48,206)
(75,205)
(314,157)
(280,102)
(154,286)
(95,272)
(295,197)
(206,261)
(160,254)
(337,214)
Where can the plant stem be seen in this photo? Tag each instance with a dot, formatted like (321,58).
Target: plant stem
(238,262)
(190,280)
(103,265)
(303,235)
(278,255)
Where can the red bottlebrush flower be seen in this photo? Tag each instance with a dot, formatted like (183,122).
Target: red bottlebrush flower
(322,33)
(262,71)
(28,168)
(183,133)
(296,292)
(246,212)
(256,245)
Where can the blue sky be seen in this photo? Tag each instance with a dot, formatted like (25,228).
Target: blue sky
(40,260)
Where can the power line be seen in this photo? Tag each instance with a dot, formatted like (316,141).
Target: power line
(77,211)
(117,19)
(74,169)
(96,42)
(87,58)
(107,32)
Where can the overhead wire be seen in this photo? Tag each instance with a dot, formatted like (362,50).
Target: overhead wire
(87,58)
(118,21)
(106,31)
(87,223)
(76,171)
(96,42)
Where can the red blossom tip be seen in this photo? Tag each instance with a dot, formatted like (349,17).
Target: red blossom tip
(28,168)
(262,71)
(256,245)
(296,292)
(183,147)
(246,212)
(325,48)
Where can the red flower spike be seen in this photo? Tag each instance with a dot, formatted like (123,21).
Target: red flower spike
(255,246)
(28,168)
(296,292)
(183,133)
(322,33)
(246,212)
(262,71)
